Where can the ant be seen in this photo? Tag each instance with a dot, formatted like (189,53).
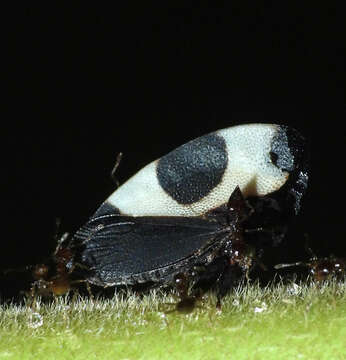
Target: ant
(59,283)
(187,302)
(53,278)
(320,268)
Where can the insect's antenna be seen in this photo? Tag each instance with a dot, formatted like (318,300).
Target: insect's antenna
(57,228)
(283,266)
(115,167)
(16,270)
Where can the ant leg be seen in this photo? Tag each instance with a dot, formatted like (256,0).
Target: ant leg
(59,239)
(87,285)
(267,230)
(228,280)
(272,234)
(38,288)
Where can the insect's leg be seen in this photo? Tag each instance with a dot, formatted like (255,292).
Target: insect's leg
(228,280)
(87,285)
(38,288)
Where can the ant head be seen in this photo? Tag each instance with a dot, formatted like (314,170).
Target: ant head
(40,272)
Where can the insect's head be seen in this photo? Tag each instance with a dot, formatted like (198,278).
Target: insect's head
(290,154)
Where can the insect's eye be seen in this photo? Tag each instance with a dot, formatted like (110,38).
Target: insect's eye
(273,157)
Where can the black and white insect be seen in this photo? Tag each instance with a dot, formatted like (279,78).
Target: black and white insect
(202,213)
(194,211)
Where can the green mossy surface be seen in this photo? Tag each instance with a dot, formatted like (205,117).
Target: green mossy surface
(293,321)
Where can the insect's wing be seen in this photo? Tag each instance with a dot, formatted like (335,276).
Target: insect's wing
(126,250)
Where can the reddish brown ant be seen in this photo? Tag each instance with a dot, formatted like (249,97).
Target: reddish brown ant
(187,303)
(59,283)
(321,268)
(53,278)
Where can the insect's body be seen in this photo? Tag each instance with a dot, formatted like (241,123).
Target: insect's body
(177,213)
(200,175)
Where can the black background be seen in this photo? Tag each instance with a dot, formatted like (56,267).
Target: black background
(84,83)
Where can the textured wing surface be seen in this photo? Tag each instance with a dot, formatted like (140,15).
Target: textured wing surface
(116,247)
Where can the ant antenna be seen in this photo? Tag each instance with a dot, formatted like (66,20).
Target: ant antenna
(283,266)
(115,167)
(59,239)
(308,249)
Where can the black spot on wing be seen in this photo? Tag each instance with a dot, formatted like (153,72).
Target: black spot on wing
(121,247)
(191,171)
